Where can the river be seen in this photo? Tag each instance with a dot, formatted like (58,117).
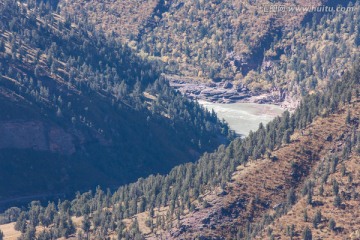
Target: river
(243,117)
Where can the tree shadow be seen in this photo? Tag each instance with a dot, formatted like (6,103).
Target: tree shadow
(317,203)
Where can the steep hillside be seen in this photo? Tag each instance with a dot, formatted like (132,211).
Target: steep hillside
(122,19)
(211,39)
(262,191)
(307,59)
(274,54)
(215,39)
(332,212)
(79,109)
(266,198)
(234,193)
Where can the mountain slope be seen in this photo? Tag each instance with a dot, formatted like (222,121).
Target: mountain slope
(210,39)
(259,191)
(292,53)
(76,104)
(251,188)
(337,219)
(309,58)
(233,193)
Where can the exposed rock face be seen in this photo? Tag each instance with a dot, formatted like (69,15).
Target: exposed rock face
(226,92)
(35,135)
(222,92)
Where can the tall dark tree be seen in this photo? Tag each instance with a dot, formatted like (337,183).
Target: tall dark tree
(317,219)
(307,235)
(85,225)
(2,45)
(21,224)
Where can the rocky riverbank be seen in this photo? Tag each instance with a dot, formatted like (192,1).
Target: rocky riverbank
(227,92)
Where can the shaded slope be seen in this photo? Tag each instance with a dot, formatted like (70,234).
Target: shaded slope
(79,110)
(226,194)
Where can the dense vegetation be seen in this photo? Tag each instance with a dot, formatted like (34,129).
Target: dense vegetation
(216,40)
(322,193)
(211,39)
(306,59)
(184,183)
(53,63)
(122,118)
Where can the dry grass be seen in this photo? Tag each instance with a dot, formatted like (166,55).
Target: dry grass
(269,181)
(9,232)
(347,218)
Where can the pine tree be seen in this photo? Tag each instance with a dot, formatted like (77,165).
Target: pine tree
(291,198)
(2,46)
(44,235)
(305,215)
(343,170)
(348,117)
(332,224)
(85,225)
(12,214)
(335,187)
(309,197)
(317,219)
(286,138)
(34,213)
(337,201)
(291,231)
(357,39)
(29,234)
(307,235)
(334,163)
(21,224)
(321,190)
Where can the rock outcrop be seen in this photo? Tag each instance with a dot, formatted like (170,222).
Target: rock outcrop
(35,135)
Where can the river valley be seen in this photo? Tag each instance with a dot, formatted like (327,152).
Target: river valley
(244,117)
